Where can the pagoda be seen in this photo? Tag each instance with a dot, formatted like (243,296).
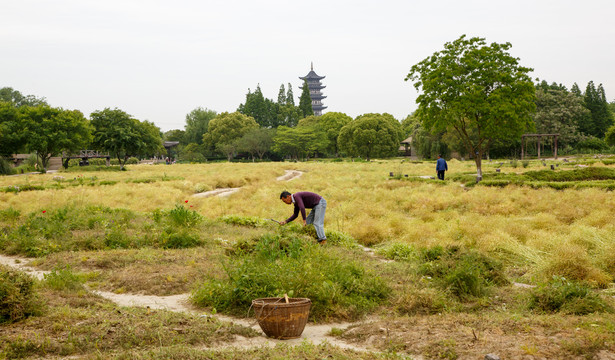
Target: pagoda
(314,85)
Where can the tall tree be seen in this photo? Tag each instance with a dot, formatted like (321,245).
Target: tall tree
(575,90)
(371,135)
(305,101)
(290,98)
(601,118)
(257,142)
(7,94)
(123,136)
(299,142)
(196,124)
(12,136)
(49,131)
(557,112)
(331,123)
(479,90)
(282,95)
(226,129)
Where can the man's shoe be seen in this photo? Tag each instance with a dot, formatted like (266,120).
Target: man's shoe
(322,242)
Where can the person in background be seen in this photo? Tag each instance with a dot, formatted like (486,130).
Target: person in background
(308,200)
(441,167)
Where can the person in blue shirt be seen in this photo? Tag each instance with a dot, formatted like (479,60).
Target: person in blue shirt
(441,167)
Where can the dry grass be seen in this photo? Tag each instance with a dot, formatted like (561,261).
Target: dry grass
(363,202)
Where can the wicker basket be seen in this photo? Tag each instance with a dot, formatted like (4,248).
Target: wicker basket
(281,320)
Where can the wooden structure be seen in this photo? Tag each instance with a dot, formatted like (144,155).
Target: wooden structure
(84,155)
(314,86)
(539,136)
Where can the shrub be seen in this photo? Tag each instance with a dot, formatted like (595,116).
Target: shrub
(397,251)
(282,264)
(17,297)
(181,216)
(525,163)
(63,279)
(251,221)
(464,273)
(566,296)
(5,167)
(179,240)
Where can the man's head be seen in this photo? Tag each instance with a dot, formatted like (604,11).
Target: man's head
(439,156)
(286,197)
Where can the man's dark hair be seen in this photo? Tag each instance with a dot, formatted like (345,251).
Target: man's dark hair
(284,194)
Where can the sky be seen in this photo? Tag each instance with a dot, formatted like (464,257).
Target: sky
(159,60)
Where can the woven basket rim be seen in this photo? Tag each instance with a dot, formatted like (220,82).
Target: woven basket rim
(280,302)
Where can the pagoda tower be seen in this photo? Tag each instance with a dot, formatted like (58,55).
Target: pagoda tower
(314,85)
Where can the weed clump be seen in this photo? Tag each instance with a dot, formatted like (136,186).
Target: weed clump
(287,264)
(63,279)
(463,273)
(397,251)
(18,299)
(251,221)
(561,295)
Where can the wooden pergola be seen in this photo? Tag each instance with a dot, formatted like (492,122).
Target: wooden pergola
(539,136)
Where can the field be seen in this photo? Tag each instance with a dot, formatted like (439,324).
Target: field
(520,265)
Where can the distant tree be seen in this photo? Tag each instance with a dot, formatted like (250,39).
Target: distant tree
(14,97)
(49,131)
(305,101)
(196,124)
(558,112)
(12,136)
(575,90)
(123,136)
(151,136)
(609,137)
(478,90)
(192,152)
(282,95)
(300,142)
(226,128)
(290,98)
(177,135)
(331,123)
(601,118)
(371,135)
(257,142)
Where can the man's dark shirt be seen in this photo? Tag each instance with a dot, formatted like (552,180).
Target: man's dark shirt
(304,200)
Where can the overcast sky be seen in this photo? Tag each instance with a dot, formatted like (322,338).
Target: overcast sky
(158,60)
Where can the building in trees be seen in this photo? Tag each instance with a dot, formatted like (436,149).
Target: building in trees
(314,85)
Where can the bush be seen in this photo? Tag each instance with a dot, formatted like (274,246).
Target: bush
(5,167)
(525,163)
(561,295)
(397,251)
(60,279)
(17,297)
(179,240)
(251,221)
(283,264)
(464,273)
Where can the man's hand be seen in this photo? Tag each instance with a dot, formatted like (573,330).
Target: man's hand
(304,222)
(282,222)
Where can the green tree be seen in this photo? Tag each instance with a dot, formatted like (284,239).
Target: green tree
(609,137)
(259,108)
(282,95)
(123,136)
(16,98)
(225,129)
(177,135)
(49,131)
(478,90)
(12,136)
(305,101)
(557,112)
(257,142)
(371,135)
(331,123)
(192,152)
(300,142)
(575,90)
(290,98)
(196,124)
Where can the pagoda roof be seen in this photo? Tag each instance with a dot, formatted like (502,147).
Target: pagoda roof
(319,107)
(312,76)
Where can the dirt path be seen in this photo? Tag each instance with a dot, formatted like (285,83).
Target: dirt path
(316,334)
(290,175)
(223,192)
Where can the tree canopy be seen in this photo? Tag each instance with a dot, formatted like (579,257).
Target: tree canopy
(305,101)
(123,136)
(225,129)
(16,98)
(478,90)
(371,135)
(49,131)
(196,124)
(558,112)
